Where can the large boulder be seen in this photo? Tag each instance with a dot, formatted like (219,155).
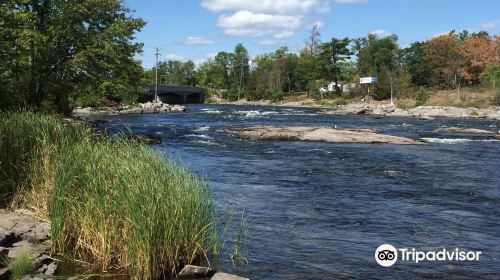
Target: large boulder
(319,134)
(193,272)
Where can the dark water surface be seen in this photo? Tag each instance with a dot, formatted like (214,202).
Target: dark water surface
(319,210)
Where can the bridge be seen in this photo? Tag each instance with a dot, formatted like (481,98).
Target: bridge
(174,94)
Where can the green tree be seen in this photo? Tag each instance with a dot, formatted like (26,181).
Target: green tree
(55,52)
(492,76)
(379,57)
(223,60)
(209,74)
(331,58)
(240,68)
(415,63)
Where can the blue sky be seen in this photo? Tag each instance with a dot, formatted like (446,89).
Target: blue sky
(198,29)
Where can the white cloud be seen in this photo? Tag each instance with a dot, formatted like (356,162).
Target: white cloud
(267,43)
(246,23)
(381,33)
(284,34)
(276,18)
(173,56)
(210,55)
(320,24)
(262,6)
(247,19)
(350,1)
(198,41)
(488,25)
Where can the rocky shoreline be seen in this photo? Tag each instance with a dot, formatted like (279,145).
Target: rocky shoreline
(381,109)
(21,232)
(417,112)
(142,108)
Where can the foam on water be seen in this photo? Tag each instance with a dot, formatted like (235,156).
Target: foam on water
(202,136)
(455,140)
(202,128)
(211,111)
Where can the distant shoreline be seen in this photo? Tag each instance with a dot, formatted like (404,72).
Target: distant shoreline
(385,109)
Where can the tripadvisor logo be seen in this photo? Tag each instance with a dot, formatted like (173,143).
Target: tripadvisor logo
(387,255)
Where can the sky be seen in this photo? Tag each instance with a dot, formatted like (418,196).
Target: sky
(198,29)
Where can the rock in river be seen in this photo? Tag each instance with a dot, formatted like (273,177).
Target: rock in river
(463,130)
(319,134)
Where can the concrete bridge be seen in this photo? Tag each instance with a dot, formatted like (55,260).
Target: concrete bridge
(175,94)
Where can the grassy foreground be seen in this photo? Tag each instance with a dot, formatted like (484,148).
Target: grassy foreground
(113,203)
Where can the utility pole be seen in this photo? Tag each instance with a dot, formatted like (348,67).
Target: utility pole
(157,54)
(241,75)
(241,78)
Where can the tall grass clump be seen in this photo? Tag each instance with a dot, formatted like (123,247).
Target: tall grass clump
(113,203)
(28,143)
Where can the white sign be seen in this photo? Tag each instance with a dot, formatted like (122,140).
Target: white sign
(368,80)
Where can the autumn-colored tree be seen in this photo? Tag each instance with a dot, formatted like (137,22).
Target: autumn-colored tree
(442,53)
(477,52)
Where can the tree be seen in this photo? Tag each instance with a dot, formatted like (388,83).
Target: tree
(54,52)
(223,60)
(240,68)
(313,40)
(413,59)
(492,75)
(331,57)
(442,53)
(477,53)
(379,57)
(208,74)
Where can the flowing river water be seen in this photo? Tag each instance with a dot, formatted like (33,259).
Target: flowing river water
(319,210)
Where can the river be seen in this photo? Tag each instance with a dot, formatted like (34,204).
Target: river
(319,210)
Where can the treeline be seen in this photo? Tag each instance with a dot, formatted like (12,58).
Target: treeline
(57,53)
(443,62)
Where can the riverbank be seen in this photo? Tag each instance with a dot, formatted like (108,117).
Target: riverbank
(385,109)
(88,185)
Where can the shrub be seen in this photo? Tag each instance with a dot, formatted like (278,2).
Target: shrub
(422,97)
(474,113)
(404,106)
(20,266)
(150,216)
(274,95)
(314,88)
(232,94)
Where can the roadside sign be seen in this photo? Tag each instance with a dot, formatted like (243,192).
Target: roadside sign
(368,80)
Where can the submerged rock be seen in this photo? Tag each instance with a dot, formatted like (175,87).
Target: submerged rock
(197,272)
(320,134)
(463,130)
(145,139)
(225,276)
